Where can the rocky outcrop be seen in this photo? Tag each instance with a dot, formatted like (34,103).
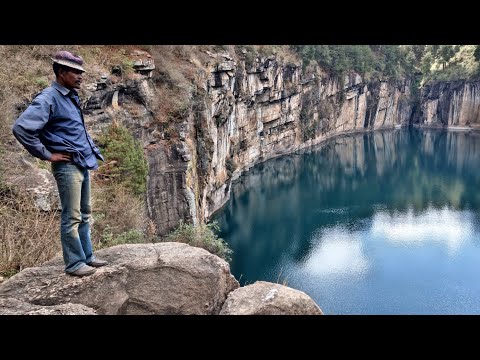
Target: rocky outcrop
(264,298)
(169,199)
(148,279)
(450,104)
(11,306)
(162,278)
(31,180)
(126,103)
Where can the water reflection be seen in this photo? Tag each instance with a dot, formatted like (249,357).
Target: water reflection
(450,228)
(360,208)
(339,252)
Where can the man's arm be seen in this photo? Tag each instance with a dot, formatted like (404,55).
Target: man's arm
(28,126)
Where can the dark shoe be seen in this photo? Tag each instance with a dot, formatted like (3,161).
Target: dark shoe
(85,270)
(97,263)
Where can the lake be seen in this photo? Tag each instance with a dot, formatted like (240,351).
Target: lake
(383,222)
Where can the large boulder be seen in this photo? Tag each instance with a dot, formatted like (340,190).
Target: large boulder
(162,278)
(34,181)
(265,298)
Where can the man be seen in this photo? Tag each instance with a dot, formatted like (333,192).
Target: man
(52,128)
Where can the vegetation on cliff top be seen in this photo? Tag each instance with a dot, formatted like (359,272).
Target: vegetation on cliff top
(430,62)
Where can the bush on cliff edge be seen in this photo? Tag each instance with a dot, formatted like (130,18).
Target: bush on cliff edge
(202,235)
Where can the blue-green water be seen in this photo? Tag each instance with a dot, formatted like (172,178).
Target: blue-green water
(378,223)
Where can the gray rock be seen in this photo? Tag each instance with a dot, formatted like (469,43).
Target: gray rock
(162,278)
(264,298)
(11,306)
(39,183)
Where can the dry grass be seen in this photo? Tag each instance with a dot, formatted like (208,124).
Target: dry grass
(28,236)
(174,77)
(119,216)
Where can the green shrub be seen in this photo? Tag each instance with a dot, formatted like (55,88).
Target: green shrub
(132,236)
(204,236)
(124,159)
(108,239)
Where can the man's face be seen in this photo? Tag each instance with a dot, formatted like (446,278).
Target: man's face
(72,78)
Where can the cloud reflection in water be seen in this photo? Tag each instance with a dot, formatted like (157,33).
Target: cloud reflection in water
(449,227)
(339,252)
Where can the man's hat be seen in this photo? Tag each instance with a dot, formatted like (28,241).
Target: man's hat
(68,59)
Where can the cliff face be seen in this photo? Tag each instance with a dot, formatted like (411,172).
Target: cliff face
(253,113)
(455,103)
(239,115)
(169,199)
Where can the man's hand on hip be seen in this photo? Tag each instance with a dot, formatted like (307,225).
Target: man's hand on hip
(57,157)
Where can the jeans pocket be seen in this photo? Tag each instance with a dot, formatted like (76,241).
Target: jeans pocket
(66,172)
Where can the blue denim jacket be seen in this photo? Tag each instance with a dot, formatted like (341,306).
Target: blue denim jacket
(53,123)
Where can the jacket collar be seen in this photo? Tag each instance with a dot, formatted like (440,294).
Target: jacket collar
(62,89)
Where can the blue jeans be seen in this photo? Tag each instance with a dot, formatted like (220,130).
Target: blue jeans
(73,184)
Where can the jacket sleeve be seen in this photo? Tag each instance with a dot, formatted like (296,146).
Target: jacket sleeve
(28,126)
(96,150)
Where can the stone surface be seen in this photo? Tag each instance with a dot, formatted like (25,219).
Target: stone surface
(162,278)
(11,306)
(265,298)
(30,179)
(450,104)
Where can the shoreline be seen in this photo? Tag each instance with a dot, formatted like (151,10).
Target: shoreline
(450,127)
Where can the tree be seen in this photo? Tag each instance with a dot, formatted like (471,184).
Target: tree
(124,159)
(446,52)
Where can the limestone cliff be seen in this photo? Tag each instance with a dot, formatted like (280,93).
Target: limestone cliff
(450,104)
(255,112)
